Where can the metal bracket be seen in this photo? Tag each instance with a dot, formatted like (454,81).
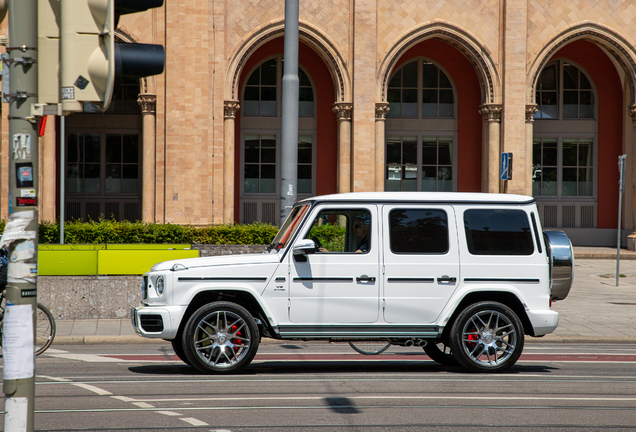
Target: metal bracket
(41,110)
(27,60)
(29,119)
(22,48)
(20,94)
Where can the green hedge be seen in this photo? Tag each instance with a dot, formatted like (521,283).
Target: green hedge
(106,231)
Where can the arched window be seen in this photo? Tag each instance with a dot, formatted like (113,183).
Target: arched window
(420,89)
(261,124)
(564,147)
(420,129)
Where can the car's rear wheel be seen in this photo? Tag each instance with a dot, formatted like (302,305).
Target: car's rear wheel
(487,337)
(220,337)
(441,353)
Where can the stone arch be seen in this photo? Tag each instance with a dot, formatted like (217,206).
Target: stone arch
(464,42)
(324,47)
(617,46)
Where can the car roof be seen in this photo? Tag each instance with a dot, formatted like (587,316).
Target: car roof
(423,197)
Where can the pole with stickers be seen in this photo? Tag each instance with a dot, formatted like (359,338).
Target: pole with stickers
(20,236)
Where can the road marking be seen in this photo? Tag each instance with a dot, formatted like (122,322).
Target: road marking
(194,422)
(92,388)
(123,398)
(143,405)
(169,413)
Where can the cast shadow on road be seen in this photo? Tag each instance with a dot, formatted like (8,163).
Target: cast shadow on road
(317,367)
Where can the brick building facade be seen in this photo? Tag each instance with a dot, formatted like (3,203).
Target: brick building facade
(395,95)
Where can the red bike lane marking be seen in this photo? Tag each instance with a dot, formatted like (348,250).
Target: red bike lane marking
(385,357)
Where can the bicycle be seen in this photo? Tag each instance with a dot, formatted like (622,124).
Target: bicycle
(45,332)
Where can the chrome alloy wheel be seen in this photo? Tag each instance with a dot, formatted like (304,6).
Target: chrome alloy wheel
(489,338)
(222,339)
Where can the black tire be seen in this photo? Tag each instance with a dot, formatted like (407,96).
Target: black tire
(441,353)
(177,347)
(221,338)
(487,337)
(45,329)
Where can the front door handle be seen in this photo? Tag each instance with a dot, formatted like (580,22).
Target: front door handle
(446,278)
(365,278)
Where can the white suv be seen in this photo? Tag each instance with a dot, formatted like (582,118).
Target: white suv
(465,276)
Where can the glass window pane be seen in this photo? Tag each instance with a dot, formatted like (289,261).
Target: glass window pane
(548,80)
(92,148)
(584,82)
(113,179)
(429,103)
(429,151)
(445,179)
(570,77)
(91,178)
(429,75)
(445,152)
(549,185)
(268,179)
(253,79)
(251,94)
(268,72)
(570,104)
(267,108)
(446,105)
(251,178)
(586,188)
(549,105)
(268,150)
(409,103)
(587,104)
(303,79)
(305,109)
(73,148)
(250,108)
(268,93)
(444,82)
(409,148)
(393,152)
(569,152)
(73,178)
(131,148)
(585,153)
(409,75)
(569,182)
(113,148)
(395,110)
(550,152)
(393,178)
(304,150)
(498,232)
(252,149)
(536,152)
(429,178)
(394,95)
(306,94)
(396,81)
(418,231)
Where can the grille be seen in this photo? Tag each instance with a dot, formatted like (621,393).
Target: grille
(587,216)
(569,217)
(144,288)
(550,216)
(151,323)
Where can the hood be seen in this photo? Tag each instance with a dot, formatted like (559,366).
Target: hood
(220,260)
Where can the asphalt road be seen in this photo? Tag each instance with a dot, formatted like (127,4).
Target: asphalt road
(319,386)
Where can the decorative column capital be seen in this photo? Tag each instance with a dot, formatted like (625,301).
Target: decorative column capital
(531,110)
(230,108)
(343,110)
(148,103)
(381,110)
(632,113)
(491,112)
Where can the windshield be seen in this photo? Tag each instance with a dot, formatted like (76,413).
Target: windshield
(290,226)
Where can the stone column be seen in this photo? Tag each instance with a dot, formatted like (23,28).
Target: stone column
(631,238)
(381,110)
(229,114)
(148,103)
(344,111)
(531,110)
(491,147)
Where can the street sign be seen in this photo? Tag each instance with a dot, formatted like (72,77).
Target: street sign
(506,166)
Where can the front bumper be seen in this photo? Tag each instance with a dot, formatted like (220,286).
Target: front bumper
(157,322)
(543,321)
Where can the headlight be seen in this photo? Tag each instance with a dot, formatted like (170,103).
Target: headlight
(159,285)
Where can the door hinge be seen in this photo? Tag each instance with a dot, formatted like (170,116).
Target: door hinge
(288,269)
(383,304)
(382,269)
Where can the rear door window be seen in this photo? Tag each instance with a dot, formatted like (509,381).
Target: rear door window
(498,232)
(418,231)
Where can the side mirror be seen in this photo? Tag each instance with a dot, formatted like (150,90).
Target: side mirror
(304,246)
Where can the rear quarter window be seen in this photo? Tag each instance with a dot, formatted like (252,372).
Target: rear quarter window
(418,231)
(498,232)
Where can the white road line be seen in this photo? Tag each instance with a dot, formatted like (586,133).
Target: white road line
(92,388)
(194,422)
(54,378)
(90,358)
(169,413)
(143,405)
(123,398)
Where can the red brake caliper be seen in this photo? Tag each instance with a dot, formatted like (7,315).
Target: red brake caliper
(236,342)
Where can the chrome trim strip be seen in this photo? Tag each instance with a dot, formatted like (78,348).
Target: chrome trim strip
(323,279)
(224,279)
(519,280)
(425,280)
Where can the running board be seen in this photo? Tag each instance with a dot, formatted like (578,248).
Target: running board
(358,331)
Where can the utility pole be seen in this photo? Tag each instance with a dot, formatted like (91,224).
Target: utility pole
(289,136)
(20,236)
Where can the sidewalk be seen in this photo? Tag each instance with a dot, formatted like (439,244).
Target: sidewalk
(594,311)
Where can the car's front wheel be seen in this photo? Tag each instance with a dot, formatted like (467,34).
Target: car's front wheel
(220,337)
(487,337)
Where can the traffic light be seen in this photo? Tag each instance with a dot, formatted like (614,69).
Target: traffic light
(92,64)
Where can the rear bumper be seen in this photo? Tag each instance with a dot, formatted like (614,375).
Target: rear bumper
(157,322)
(543,321)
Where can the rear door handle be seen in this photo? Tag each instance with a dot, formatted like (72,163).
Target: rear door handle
(447,279)
(365,278)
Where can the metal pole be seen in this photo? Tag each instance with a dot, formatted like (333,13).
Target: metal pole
(621,187)
(20,236)
(62,175)
(289,138)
